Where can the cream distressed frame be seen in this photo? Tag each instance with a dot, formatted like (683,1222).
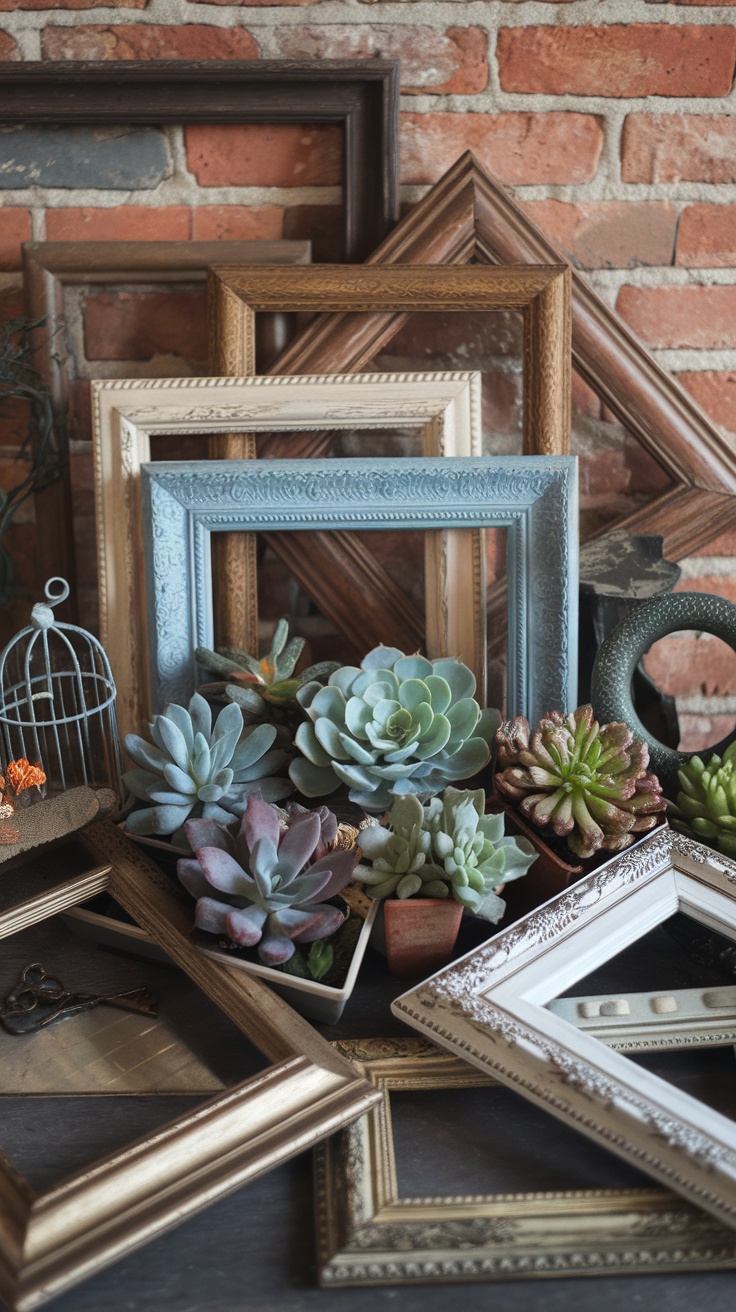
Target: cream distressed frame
(368,1235)
(51,1241)
(128,413)
(490,1006)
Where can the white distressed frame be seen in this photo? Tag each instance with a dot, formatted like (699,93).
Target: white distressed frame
(490,1007)
(127,413)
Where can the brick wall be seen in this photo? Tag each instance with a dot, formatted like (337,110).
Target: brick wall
(612,123)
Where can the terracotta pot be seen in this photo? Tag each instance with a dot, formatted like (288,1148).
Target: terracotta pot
(420,934)
(549,875)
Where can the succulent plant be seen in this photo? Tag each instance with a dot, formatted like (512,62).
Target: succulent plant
(192,768)
(588,781)
(257,685)
(398,725)
(706,803)
(273,878)
(448,847)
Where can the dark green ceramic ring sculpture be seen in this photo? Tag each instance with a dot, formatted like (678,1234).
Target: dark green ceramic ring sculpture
(622,650)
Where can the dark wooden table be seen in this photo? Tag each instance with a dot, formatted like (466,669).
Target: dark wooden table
(255,1249)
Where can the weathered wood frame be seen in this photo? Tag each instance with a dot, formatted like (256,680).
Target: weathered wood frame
(360,95)
(48,268)
(469,215)
(51,1241)
(367,1234)
(445,408)
(377,301)
(490,1007)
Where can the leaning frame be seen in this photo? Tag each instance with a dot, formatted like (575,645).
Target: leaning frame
(367,1234)
(378,300)
(127,413)
(490,1007)
(51,1241)
(51,266)
(533,497)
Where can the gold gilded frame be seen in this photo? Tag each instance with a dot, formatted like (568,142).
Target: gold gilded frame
(372,302)
(368,1235)
(51,1241)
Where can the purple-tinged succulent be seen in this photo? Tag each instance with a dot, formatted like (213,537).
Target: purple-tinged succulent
(588,781)
(273,878)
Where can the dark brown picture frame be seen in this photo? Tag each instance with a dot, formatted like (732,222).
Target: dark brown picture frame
(49,267)
(469,215)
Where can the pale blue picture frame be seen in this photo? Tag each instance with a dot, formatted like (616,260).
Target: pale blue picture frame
(533,497)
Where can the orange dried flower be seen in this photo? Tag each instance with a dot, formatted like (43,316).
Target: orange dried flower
(21,774)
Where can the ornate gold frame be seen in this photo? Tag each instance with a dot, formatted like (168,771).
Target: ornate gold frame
(370,303)
(51,1241)
(368,1235)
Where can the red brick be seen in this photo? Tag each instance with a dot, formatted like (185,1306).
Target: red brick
(716,393)
(124,223)
(15,227)
(681,316)
(8,46)
(720,585)
(71,4)
(323,225)
(258,4)
(698,733)
(12,303)
(454,61)
(609,234)
(264,155)
(238,223)
(148,41)
(691,664)
(458,341)
(678,148)
(585,401)
(706,236)
(145,325)
(634,59)
(518,148)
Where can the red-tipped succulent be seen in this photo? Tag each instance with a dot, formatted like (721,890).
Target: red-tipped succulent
(589,782)
(274,878)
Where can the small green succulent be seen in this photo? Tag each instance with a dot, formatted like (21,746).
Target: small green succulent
(191,768)
(447,848)
(259,685)
(396,726)
(706,803)
(588,781)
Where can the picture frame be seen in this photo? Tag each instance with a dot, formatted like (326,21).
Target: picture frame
(490,1006)
(470,215)
(534,498)
(49,268)
(372,302)
(51,1241)
(127,413)
(369,1234)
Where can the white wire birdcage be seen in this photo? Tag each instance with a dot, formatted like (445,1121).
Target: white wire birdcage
(57,701)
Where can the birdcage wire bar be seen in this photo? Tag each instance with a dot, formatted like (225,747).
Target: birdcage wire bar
(57,701)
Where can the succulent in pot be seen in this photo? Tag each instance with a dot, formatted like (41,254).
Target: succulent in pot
(262,685)
(397,726)
(706,803)
(588,782)
(269,884)
(192,767)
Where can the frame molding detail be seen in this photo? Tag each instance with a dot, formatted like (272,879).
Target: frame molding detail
(490,1007)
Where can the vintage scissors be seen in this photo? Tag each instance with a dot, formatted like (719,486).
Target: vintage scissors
(38,998)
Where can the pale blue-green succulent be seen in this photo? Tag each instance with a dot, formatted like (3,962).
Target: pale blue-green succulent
(192,768)
(447,848)
(398,726)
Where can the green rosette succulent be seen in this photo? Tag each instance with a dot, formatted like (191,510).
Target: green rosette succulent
(192,768)
(589,782)
(706,803)
(397,726)
(259,685)
(448,848)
